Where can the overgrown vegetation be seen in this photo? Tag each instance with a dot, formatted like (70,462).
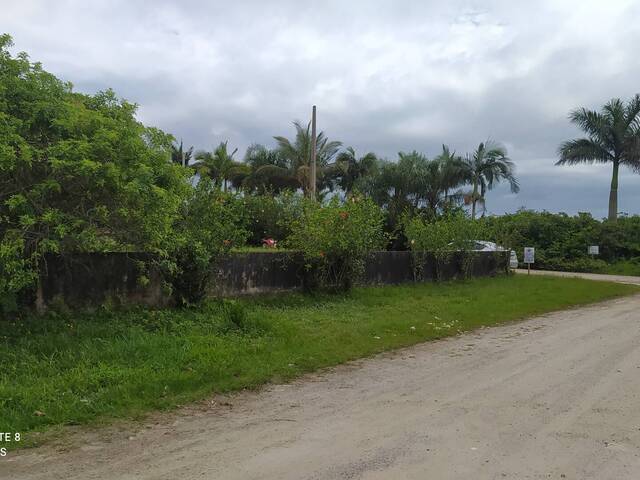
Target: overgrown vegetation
(449,236)
(79,173)
(562,241)
(210,224)
(270,216)
(72,369)
(335,240)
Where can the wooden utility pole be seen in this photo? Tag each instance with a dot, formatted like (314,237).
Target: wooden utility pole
(313,153)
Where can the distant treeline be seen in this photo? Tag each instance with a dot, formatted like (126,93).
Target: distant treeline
(562,241)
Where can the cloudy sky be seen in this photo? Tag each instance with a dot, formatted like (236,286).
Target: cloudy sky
(386,75)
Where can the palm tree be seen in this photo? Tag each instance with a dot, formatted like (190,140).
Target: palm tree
(350,169)
(219,165)
(181,156)
(268,171)
(396,186)
(436,179)
(613,136)
(484,168)
(451,172)
(297,153)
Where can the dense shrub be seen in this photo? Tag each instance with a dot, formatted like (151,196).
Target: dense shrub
(77,173)
(448,236)
(562,241)
(335,240)
(270,216)
(210,224)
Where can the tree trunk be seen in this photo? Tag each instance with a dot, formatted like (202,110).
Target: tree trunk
(474,199)
(613,194)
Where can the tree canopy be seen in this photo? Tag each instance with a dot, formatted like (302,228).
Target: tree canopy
(78,172)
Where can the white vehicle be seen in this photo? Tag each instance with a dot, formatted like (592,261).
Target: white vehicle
(485,246)
(513,260)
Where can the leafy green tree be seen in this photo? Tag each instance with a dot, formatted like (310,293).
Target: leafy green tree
(297,153)
(483,169)
(78,173)
(220,166)
(270,216)
(211,222)
(613,136)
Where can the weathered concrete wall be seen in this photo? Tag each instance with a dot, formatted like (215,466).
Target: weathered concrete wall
(85,280)
(91,279)
(389,268)
(256,272)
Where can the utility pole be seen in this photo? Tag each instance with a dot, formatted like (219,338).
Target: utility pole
(313,153)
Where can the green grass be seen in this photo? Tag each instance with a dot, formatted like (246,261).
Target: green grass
(84,368)
(623,267)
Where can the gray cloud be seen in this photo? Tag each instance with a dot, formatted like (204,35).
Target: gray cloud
(386,76)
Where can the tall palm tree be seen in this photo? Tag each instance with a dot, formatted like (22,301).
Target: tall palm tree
(451,172)
(350,169)
(219,165)
(297,153)
(613,135)
(484,168)
(181,156)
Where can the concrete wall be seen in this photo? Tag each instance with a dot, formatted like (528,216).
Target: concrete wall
(256,272)
(91,279)
(86,280)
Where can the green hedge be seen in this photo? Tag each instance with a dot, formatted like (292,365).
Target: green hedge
(562,241)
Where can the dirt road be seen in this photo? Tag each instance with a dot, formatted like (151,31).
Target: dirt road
(556,396)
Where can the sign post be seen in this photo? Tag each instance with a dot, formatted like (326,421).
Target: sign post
(529,257)
(594,250)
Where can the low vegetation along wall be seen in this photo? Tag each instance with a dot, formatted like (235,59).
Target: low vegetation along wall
(86,280)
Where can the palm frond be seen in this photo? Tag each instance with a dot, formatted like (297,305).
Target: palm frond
(582,150)
(595,124)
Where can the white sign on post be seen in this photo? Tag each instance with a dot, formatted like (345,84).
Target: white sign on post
(594,250)
(529,255)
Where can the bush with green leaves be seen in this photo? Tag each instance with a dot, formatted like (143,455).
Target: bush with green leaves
(442,239)
(335,240)
(78,173)
(211,223)
(269,216)
(562,241)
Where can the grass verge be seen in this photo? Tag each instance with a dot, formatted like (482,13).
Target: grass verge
(75,369)
(624,267)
